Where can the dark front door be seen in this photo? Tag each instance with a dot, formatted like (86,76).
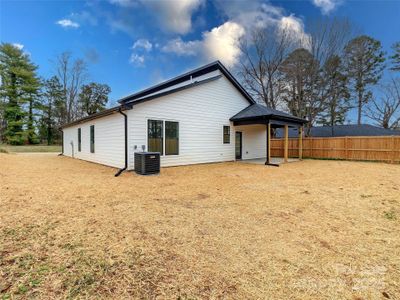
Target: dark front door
(238,145)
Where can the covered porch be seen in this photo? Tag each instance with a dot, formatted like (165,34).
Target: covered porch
(270,119)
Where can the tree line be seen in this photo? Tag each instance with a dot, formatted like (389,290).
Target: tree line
(32,108)
(321,75)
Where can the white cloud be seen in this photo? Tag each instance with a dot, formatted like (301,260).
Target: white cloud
(220,43)
(19,46)
(292,23)
(143,44)
(182,48)
(326,6)
(295,27)
(123,3)
(67,23)
(174,16)
(136,59)
(223,43)
(251,14)
(83,17)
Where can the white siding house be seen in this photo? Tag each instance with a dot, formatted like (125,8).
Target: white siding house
(201,112)
(195,107)
(108,141)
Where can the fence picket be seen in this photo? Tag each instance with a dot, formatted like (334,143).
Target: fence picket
(377,148)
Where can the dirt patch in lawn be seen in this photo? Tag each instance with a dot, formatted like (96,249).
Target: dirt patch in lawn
(306,230)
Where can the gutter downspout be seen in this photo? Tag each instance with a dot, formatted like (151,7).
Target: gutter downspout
(126,143)
(62,140)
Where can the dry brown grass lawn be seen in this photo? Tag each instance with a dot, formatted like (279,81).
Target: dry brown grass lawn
(306,230)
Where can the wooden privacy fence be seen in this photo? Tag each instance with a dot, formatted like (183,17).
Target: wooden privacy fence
(377,148)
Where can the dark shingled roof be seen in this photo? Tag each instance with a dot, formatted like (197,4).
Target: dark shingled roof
(343,130)
(254,111)
(103,113)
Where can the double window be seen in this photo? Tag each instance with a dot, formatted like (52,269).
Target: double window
(92,138)
(227,134)
(79,139)
(156,134)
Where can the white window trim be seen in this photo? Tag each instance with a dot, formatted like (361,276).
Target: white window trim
(163,137)
(230,134)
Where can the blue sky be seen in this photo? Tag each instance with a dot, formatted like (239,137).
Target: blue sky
(132,44)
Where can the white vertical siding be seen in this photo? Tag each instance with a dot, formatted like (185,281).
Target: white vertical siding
(201,111)
(109,141)
(254,141)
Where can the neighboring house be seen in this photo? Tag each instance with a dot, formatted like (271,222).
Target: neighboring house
(199,117)
(343,130)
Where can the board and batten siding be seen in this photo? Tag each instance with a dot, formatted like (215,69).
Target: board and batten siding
(201,111)
(109,141)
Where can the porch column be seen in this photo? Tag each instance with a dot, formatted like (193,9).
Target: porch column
(286,151)
(268,148)
(301,142)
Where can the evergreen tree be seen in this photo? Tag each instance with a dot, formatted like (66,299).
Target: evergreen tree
(395,58)
(18,86)
(364,63)
(93,97)
(32,92)
(51,105)
(301,73)
(336,93)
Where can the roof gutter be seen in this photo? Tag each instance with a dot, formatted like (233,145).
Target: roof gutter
(126,143)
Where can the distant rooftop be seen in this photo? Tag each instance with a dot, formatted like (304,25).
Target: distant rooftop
(343,130)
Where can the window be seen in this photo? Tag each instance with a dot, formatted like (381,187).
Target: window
(92,138)
(227,134)
(171,138)
(155,136)
(79,139)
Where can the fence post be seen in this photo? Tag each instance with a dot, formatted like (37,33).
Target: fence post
(393,151)
(346,147)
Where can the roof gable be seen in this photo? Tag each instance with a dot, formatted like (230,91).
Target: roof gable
(192,78)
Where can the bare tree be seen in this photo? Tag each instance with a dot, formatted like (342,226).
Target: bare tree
(263,54)
(327,37)
(386,112)
(72,75)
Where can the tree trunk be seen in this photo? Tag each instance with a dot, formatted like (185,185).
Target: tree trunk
(30,122)
(49,129)
(359,108)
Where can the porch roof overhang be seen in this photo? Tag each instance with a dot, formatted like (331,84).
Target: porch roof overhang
(260,114)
